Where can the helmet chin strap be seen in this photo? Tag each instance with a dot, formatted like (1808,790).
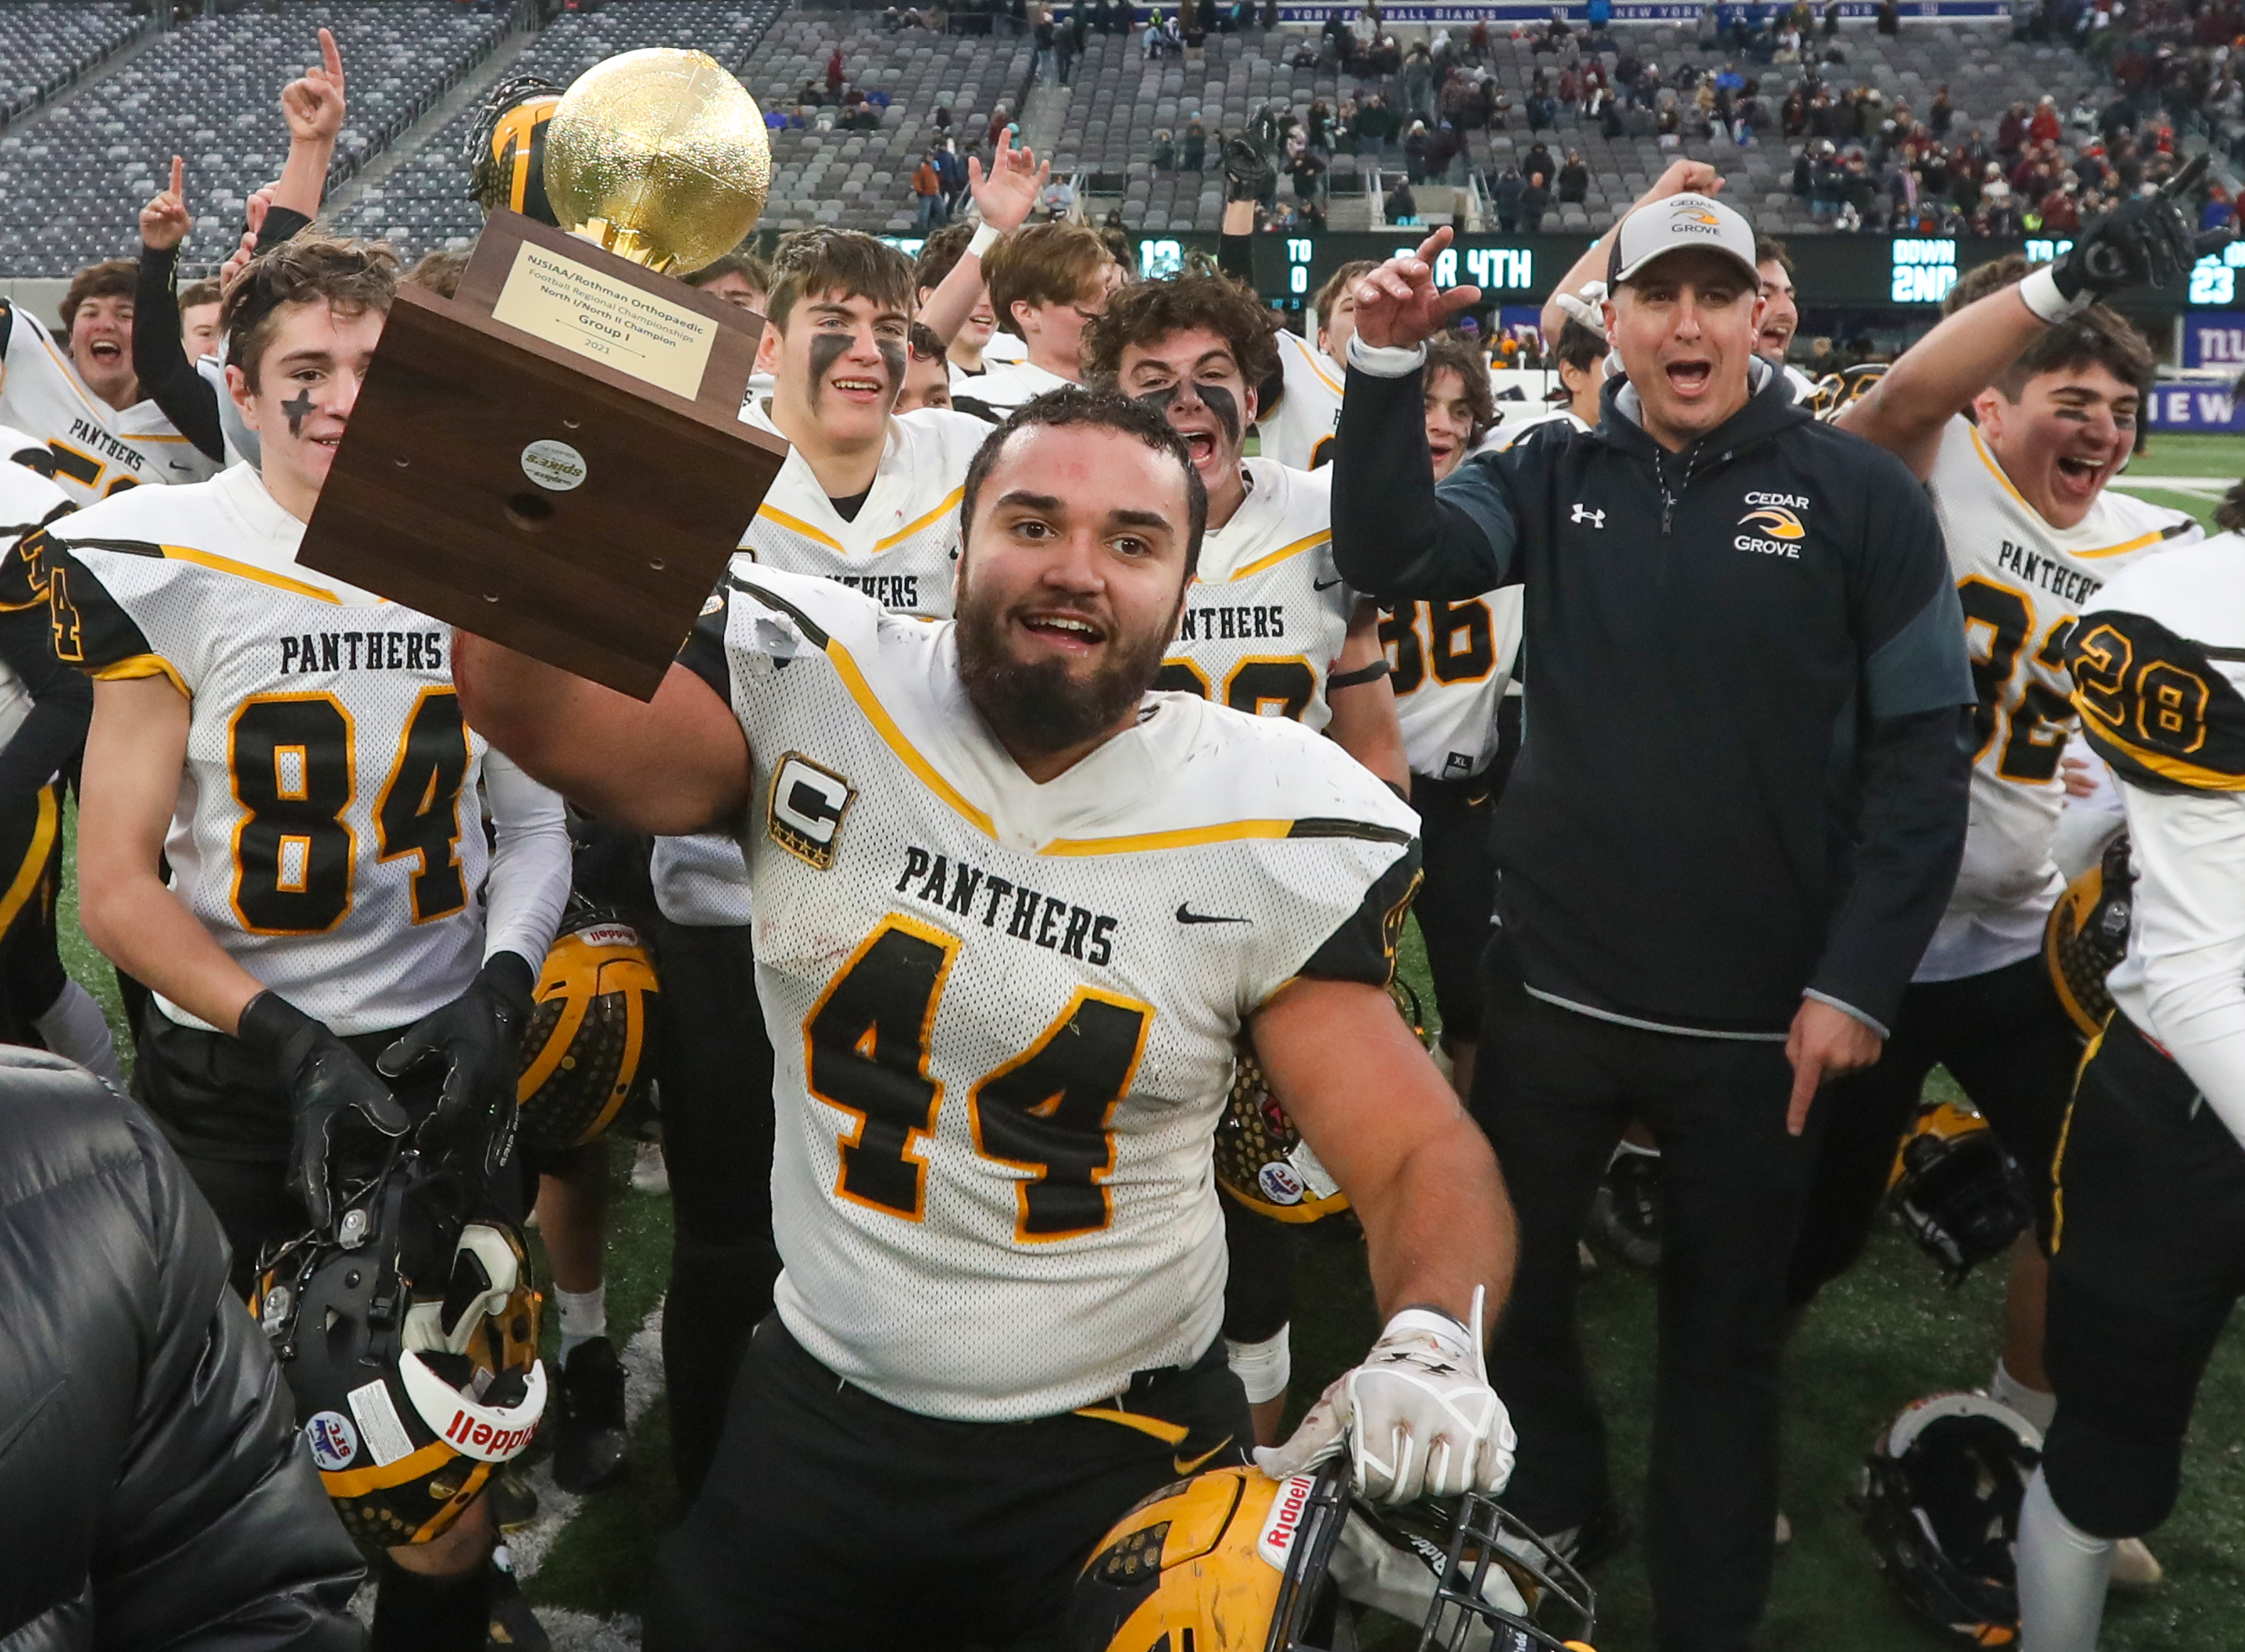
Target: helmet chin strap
(450,1326)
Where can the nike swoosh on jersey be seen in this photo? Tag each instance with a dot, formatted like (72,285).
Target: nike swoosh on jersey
(1323,584)
(1186,914)
(1185,1466)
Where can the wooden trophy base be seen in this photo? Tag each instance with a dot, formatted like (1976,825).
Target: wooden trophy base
(579,509)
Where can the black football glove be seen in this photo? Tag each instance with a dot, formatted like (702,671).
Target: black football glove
(324,1081)
(2147,242)
(1248,174)
(479,1035)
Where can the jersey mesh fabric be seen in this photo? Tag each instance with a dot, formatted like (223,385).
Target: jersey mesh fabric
(1267,614)
(1299,432)
(98,449)
(923,909)
(901,549)
(304,694)
(2021,582)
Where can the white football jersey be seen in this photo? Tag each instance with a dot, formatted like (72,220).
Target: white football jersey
(329,832)
(98,449)
(28,502)
(1001,389)
(901,550)
(1266,614)
(2022,582)
(1005,1012)
(1003,350)
(1299,432)
(2158,675)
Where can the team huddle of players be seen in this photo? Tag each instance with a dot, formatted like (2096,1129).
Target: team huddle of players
(1015,931)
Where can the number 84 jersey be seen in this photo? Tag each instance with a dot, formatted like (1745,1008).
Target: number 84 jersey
(320,834)
(1004,1014)
(2021,582)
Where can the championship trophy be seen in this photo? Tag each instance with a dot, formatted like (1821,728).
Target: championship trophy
(555,459)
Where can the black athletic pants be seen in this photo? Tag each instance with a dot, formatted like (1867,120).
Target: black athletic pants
(833,1518)
(716,1078)
(1554,1089)
(2147,1258)
(2008,1042)
(1459,893)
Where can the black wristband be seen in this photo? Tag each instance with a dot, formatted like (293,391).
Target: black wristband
(268,1021)
(1363,674)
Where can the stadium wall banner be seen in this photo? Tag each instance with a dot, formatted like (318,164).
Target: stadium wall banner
(2210,408)
(2214,338)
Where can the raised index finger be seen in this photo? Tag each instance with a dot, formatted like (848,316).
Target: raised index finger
(330,55)
(179,178)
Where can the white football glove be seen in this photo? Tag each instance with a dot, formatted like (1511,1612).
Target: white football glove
(1418,1416)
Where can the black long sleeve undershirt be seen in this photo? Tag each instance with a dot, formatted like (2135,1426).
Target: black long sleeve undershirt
(62,704)
(160,357)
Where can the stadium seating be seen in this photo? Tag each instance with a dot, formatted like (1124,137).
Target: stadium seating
(1984,69)
(423,204)
(76,178)
(44,46)
(862,180)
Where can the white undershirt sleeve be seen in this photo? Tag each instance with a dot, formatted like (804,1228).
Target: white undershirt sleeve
(530,866)
(2189,938)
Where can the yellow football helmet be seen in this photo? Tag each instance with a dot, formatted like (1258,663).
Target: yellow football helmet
(2087,935)
(1232,1560)
(506,147)
(588,1047)
(1261,1159)
(1957,1191)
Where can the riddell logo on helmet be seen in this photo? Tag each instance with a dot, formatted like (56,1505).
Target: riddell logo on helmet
(1283,1524)
(494,1444)
(610,935)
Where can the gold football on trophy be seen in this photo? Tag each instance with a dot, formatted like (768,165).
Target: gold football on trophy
(659,156)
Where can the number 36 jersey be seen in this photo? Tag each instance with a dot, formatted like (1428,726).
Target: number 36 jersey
(2021,582)
(1004,1014)
(328,831)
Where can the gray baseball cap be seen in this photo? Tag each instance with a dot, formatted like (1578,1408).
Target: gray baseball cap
(1681,223)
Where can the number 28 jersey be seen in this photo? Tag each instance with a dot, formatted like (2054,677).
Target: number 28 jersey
(2021,582)
(320,834)
(1003,1013)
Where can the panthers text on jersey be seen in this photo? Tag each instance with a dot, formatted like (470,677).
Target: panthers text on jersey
(1005,1012)
(901,549)
(96,449)
(2159,679)
(1298,432)
(2022,582)
(329,832)
(1266,614)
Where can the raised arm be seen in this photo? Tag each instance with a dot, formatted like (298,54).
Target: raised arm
(1683,177)
(1396,536)
(313,108)
(675,765)
(2144,242)
(1004,198)
(160,357)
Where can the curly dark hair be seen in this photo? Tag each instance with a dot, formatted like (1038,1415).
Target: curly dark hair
(1077,408)
(353,276)
(1156,310)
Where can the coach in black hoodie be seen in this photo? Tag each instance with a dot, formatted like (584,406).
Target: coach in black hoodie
(1731,830)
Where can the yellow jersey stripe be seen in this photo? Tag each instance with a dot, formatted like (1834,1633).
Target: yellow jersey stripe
(893,737)
(2136,544)
(950,503)
(1308,543)
(796,524)
(246,571)
(1310,360)
(34,859)
(2174,769)
(138,666)
(1230,831)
